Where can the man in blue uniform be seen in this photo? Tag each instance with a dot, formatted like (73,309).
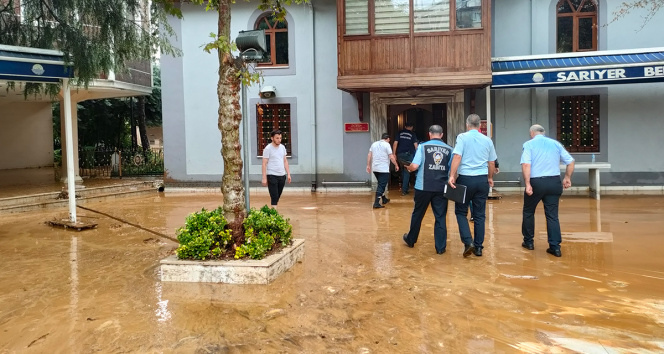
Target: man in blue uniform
(432,162)
(404,147)
(540,162)
(474,160)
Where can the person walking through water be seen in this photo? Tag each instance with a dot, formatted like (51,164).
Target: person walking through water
(275,168)
(378,161)
(540,164)
(474,160)
(432,163)
(404,147)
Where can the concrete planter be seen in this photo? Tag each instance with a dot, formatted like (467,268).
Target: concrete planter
(250,271)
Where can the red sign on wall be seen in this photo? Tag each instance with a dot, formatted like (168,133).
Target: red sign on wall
(356,127)
(483,127)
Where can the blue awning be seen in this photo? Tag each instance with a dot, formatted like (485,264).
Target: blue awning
(574,69)
(32,65)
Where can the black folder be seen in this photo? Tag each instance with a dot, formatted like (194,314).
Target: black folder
(457,194)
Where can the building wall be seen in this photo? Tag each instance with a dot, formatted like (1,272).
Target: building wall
(26,137)
(321,149)
(631,119)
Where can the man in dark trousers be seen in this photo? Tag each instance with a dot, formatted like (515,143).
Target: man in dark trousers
(404,147)
(540,164)
(275,168)
(432,162)
(474,160)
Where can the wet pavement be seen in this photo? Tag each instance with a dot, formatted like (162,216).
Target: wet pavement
(358,290)
(31,181)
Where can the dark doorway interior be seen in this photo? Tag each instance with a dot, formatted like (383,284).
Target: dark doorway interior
(422,116)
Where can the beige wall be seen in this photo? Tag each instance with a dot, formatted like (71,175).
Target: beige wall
(26,135)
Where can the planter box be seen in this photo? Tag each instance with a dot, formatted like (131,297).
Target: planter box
(249,271)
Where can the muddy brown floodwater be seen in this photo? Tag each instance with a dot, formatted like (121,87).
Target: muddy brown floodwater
(358,290)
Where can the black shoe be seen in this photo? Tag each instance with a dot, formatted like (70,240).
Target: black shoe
(378,206)
(478,252)
(468,250)
(385,200)
(404,193)
(440,251)
(554,252)
(405,239)
(528,245)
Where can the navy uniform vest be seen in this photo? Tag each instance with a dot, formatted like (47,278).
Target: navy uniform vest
(436,166)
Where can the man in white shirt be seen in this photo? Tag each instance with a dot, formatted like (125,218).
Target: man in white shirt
(378,161)
(540,161)
(275,168)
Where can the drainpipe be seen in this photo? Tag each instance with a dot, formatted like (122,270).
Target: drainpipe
(489,128)
(533,91)
(314,135)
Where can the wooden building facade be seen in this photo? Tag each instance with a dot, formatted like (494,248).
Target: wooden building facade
(412,44)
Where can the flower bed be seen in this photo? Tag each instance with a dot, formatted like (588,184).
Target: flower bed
(206,235)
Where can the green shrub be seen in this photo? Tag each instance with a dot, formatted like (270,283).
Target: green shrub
(263,228)
(255,245)
(204,235)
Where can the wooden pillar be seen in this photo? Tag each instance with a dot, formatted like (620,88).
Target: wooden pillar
(378,118)
(456,122)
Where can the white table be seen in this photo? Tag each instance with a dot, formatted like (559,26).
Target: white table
(593,174)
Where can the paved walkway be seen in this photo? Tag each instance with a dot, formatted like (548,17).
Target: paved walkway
(358,290)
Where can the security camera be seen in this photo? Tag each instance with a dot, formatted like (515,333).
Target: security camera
(268,92)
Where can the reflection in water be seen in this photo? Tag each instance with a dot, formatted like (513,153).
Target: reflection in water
(382,259)
(161,312)
(73,279)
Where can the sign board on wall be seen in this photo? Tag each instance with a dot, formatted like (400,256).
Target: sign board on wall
(483,126)
(356,127)
(562,77)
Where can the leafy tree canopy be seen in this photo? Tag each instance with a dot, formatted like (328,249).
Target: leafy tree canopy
(95,35)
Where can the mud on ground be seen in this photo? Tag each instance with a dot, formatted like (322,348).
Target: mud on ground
(358,290)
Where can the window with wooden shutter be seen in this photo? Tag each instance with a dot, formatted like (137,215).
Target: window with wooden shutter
(270,117)
(578,122)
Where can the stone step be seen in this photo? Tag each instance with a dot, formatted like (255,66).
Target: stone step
(59,199)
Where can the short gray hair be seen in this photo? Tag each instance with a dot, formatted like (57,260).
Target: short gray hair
(473,120)
(536,128)
(436,129)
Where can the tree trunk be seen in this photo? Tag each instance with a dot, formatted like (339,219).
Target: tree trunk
(142,127)
(230,116)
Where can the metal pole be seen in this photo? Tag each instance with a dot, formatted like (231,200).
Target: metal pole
(246,147)
(69,144)
(489,128)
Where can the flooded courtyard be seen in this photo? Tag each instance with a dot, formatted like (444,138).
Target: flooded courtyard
(359,289)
